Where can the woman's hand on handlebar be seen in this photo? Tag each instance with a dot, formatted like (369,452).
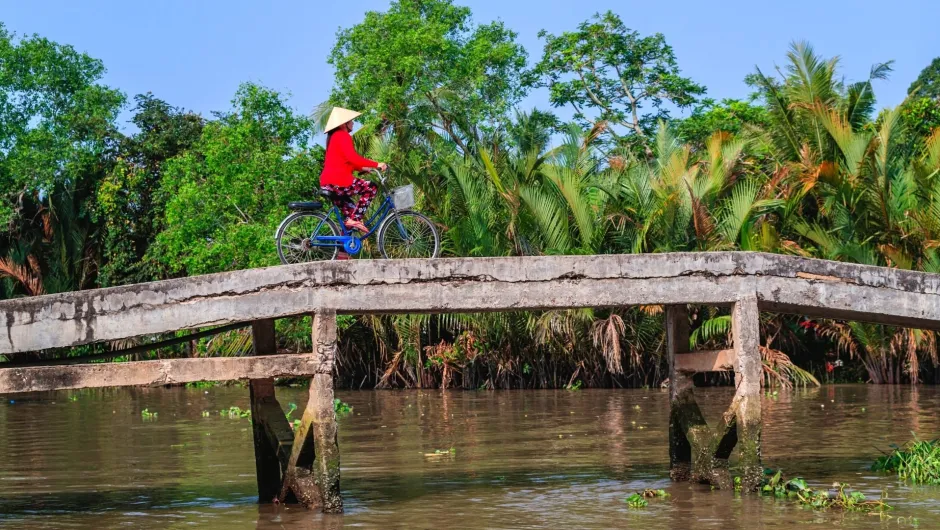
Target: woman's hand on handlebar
(383,166)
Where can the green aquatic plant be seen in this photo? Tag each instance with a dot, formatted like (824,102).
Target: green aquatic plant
(654,494)
(918,462)
(146,415)
(798,490)
(636,501)
(202,384)
(291,408)
(234,412)
(442,453)
(639,499)
(341,408)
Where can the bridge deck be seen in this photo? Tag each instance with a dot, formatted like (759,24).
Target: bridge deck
(782,283)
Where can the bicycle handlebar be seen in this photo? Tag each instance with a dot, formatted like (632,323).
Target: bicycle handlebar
(379,173)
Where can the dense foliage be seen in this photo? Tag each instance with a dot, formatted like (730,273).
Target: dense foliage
(611,74)
(918,462)
(806,167)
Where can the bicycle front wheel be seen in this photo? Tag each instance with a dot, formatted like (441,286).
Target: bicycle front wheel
(297,238)
(408,234)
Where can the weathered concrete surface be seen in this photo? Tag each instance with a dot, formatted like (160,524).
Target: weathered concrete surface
(782,283)
(313,473)
(154,373)
(697,451)
(278,430)
(681,398)
(746,405)
(323,413)
(261,397)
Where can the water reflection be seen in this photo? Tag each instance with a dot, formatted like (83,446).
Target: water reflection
(522,459)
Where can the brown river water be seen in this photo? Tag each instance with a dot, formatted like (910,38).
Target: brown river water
(522,459)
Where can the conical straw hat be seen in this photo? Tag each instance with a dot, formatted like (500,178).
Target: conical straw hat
(339,116)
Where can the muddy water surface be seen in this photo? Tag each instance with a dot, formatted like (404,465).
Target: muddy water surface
(521,459)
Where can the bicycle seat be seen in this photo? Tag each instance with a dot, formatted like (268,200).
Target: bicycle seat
(304,206)
(329,195)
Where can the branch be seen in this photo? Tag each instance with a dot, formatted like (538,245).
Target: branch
(591,94)
(633,102)
(448,126)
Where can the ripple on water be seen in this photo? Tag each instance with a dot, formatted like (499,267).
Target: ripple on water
(525,459)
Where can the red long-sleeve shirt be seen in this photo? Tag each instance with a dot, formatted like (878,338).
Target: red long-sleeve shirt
(341,160)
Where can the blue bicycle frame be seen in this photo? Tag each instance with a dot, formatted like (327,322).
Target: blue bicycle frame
(351,243)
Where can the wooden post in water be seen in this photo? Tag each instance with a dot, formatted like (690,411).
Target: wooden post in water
(745,328)
(313,468)
(267,465)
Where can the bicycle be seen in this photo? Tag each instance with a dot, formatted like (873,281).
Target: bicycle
(308,234)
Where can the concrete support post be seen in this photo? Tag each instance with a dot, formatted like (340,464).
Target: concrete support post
(748,366)
(692,444)
(313,467)
(267,465)
(322,414)
(698,452)
(680,392)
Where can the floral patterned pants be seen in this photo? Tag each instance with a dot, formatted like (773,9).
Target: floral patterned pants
(366,191)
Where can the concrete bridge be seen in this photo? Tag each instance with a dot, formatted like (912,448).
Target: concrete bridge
(303,465)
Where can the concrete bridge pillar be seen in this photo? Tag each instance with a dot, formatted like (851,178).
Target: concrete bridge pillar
(748,366)
(697,451)
(322,414)
(311,474)
(267,464)
(299,464)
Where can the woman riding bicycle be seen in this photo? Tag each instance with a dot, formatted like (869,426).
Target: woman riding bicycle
(341,161)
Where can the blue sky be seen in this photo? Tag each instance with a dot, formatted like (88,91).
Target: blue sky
(194,53)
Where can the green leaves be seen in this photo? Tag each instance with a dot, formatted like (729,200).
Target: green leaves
(226,195)
(609,73)
(54,117)
(917,462)
(927,84)
(423,65)
(56,134)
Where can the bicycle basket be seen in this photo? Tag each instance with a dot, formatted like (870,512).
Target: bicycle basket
(404,196)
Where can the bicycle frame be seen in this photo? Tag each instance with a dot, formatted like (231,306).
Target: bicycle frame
(349,242)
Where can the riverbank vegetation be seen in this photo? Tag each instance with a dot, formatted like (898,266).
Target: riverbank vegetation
(632,157)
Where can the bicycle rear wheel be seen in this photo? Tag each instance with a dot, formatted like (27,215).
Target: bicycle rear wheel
(408,234)
(296,238)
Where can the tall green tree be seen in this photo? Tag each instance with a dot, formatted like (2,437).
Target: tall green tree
(226,195)
(609,73)
(57,138)
(130,204)
(927,84)
(424,66)
(806,84)
(729,116)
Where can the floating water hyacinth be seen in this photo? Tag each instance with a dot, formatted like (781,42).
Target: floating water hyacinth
(796,489)
(341,408)
(918,462)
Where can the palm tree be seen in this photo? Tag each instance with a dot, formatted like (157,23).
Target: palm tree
(853,193)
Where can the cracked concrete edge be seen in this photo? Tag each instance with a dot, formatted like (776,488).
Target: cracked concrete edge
(154,373)
(783,283)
